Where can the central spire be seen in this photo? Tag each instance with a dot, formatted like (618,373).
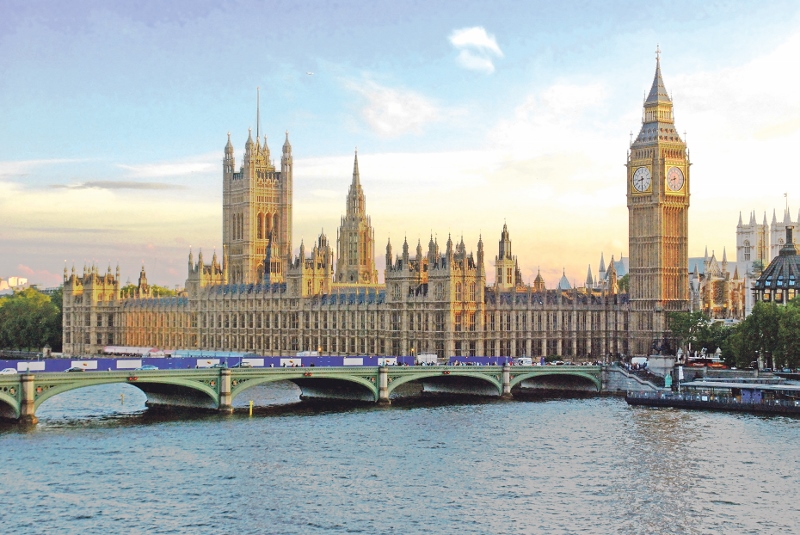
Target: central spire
(658,93)
(356,176)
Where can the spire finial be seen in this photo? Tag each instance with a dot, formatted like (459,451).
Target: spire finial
(658,53)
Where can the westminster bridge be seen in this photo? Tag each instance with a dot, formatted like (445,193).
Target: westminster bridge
(215,388)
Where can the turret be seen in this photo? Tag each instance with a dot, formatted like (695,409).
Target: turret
(481,267)
(389,258)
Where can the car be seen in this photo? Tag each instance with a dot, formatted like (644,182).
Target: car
(221,365)
(76,369)
(8,371)
(243,365)
(147,367)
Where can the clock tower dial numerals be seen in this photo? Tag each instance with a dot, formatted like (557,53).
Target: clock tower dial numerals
(642,179)
(675,179)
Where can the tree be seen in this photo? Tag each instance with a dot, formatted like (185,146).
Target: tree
(155,290)
(161,291)
(30,319)
(758,334)
(686,327)
(623,283)
(788,352)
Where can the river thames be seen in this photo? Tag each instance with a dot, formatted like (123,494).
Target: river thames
(465,465)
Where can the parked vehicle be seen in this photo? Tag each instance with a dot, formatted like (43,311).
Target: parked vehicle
(147,367)
(8,371)
(76,369)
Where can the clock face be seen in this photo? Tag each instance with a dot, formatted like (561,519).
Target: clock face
(675,179)
(641,179)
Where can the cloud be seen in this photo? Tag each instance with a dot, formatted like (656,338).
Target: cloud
(392,112)
(20,168)
(477,49)
(39,276)
(119,184)
(208,163)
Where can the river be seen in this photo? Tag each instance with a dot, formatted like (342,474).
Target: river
(97,465)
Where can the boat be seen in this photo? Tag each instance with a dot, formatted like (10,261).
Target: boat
(729,395)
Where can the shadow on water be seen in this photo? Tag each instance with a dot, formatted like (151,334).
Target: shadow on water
(121,405)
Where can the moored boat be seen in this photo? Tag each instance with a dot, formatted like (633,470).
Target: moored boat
(776,398)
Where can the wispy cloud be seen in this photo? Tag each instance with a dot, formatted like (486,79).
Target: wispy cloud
(119,184)
(392,112)
(20,168)
(208,163)
(477,49)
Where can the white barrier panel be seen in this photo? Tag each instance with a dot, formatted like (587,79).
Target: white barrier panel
(290,362)
(85,364)
(256,363)
(353,361)
(128,364)
(30,366)
(206,363)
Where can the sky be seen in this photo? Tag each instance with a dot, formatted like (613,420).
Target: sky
(466,116)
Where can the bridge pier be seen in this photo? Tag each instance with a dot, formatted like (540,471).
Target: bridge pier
(506,382)
(27,411)
(225,398)
(383,386)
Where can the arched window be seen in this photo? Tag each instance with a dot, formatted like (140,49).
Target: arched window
(260,233)
(458,292)
(746,250)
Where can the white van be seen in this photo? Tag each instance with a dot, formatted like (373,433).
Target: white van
(523,361)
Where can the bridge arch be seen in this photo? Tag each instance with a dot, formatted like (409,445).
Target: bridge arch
(55,390)
(9,405)
(492,378)
(239,385)
(519,378)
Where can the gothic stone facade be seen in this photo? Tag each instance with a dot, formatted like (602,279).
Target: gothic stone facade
(261,299)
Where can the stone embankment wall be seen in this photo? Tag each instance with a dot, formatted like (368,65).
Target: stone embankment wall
(617,380)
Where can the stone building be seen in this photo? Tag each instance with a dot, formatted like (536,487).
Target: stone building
(716,291)
(658,207)
(259,298)
(780,280)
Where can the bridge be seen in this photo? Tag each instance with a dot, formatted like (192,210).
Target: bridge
(215,388)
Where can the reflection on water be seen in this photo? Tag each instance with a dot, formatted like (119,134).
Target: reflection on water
(440,465)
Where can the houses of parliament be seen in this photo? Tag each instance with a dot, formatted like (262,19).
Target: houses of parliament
(435,298)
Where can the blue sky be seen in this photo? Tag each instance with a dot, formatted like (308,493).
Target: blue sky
(465,114)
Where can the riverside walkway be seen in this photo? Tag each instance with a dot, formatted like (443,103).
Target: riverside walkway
(215,388)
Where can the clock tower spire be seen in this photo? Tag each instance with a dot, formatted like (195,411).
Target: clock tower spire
(658,224)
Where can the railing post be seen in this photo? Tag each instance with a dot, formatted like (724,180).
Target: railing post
(383,386)
(225,400)
(27,411)
(506,382)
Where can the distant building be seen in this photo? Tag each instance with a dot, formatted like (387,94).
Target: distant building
(780,280)
(12,284)
(715,290)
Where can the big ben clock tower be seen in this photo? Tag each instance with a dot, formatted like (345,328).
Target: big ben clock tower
(658,223)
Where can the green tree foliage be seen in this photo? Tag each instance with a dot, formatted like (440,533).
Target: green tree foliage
(686,328)
(624,283)
(161,291)
(155,290)
(30,319)
(770,331)
(694,331)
